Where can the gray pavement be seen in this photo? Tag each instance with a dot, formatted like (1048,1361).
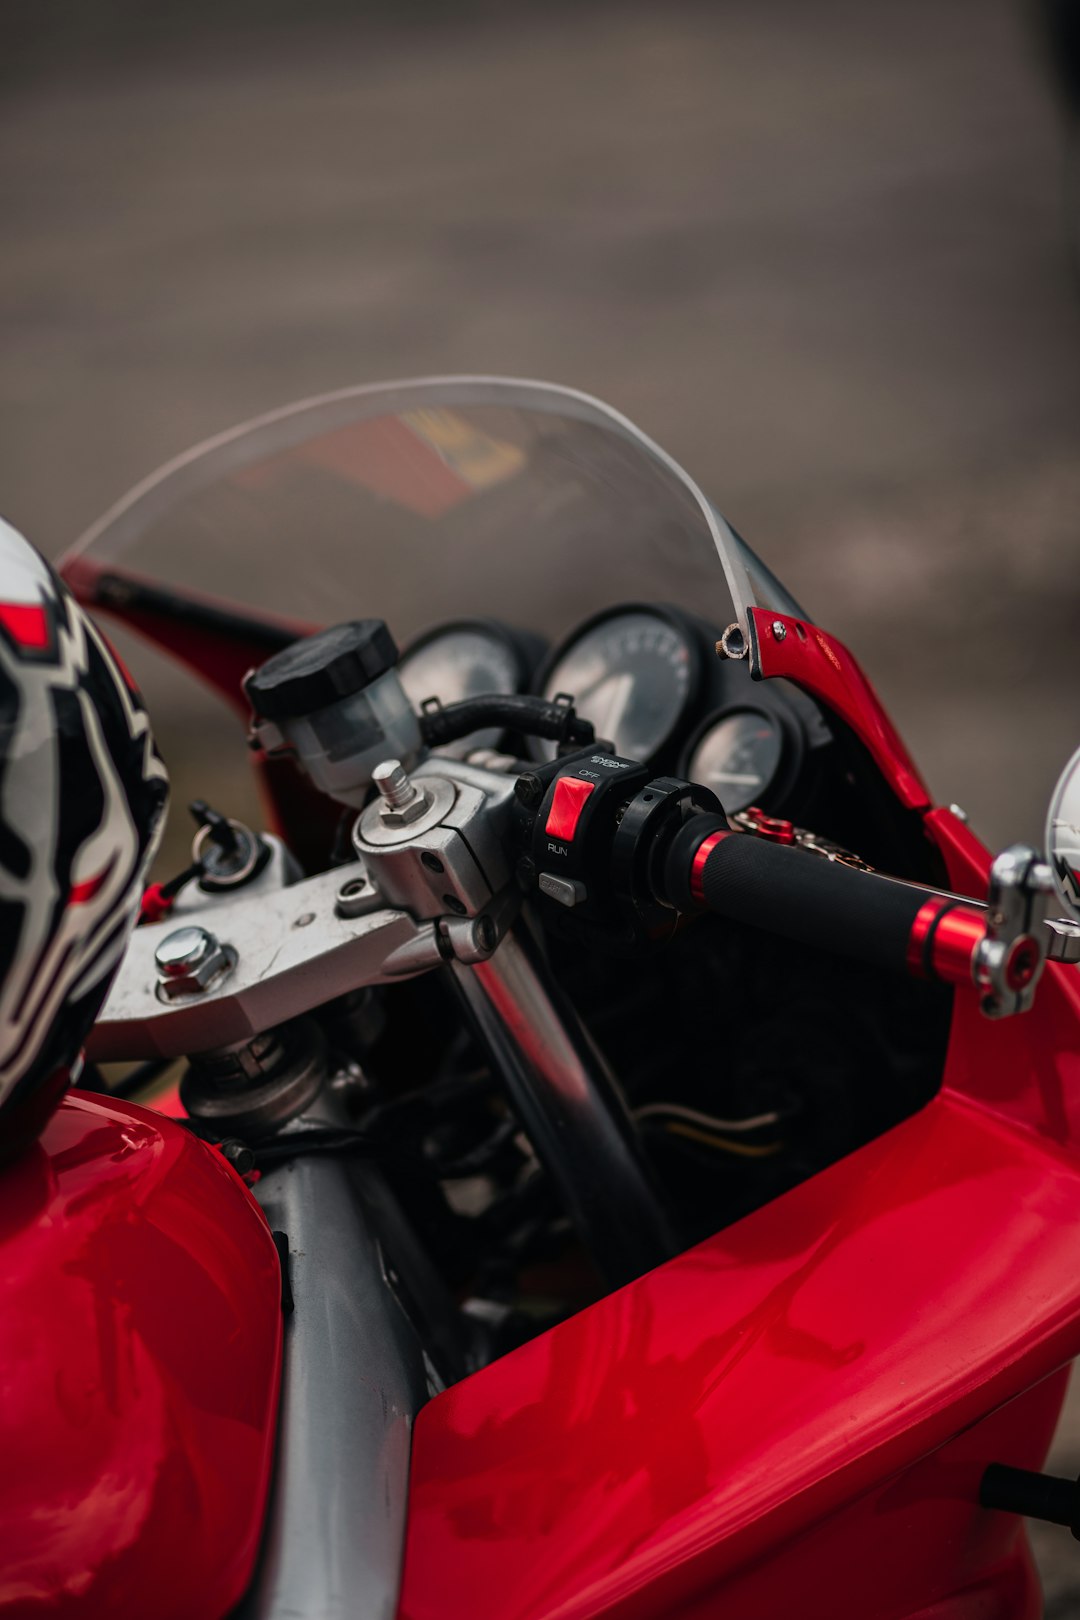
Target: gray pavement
(814,250)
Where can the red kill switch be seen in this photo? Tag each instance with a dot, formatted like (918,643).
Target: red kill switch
(566,807)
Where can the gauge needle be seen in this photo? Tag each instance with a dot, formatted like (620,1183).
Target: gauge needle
(740,780)
(606,704)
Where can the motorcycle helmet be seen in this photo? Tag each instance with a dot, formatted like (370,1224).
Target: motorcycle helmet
(82,799)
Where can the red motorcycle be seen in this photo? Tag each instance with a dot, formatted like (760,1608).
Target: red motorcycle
(616,1143)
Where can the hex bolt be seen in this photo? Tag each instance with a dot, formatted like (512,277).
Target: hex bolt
(190,961)
(392,780)
(183,951)
(402,801)
(528,788)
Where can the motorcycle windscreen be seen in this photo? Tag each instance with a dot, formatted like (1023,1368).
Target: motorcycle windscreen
(420,503)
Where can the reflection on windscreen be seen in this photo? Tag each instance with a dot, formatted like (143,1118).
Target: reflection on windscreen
(437,510)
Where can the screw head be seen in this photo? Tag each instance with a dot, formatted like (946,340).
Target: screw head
(239,1155)
(190,961)
(779,630)
(184,950)
(528,788)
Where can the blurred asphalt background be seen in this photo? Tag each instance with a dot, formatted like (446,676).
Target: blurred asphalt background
(815,250)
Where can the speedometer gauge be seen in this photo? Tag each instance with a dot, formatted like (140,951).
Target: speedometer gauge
(738,756)
(461,660)
(632,672)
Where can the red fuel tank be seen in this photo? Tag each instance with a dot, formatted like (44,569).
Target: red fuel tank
(140,1353)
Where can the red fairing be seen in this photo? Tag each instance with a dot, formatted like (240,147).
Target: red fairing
(219,656)
(140,1348)
(822,666)
(797,1405)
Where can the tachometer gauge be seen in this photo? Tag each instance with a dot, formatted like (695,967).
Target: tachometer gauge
(632,672)
(461,660)
(738,756)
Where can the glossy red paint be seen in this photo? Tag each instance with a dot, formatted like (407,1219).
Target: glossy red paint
(140,1347)
(918,963)
(825,668)
(804,1403)
(956,939)
(1022,962)
(773,828)
(649,1452)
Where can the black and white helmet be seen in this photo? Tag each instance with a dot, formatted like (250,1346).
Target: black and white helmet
(82,799)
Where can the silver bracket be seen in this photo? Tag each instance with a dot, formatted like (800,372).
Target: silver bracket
(1009,961)
(294,951)
(433,889)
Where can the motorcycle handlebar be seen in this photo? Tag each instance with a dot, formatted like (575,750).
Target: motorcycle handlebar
(814,901)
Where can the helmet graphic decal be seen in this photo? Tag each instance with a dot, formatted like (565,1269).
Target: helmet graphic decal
(82,791)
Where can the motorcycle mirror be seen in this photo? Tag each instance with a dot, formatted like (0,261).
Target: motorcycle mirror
(1063,837)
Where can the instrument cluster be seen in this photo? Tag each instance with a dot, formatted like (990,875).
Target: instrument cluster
(649,680)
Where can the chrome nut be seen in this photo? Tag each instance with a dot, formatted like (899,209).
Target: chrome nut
(408,813)
(402,801)
(189,962)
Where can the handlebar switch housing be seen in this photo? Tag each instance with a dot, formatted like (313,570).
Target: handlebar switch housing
(591,827)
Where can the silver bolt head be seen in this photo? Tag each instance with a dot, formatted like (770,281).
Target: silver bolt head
(183,950)
(403,802)
(779,630)
(191,961)
(392,780)
(417,806)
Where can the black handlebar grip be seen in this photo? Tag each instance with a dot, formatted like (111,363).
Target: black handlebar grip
(793,892)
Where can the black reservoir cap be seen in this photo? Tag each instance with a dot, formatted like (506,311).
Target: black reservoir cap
(321,669)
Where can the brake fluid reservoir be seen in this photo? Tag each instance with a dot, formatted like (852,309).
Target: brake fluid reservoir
(334,700)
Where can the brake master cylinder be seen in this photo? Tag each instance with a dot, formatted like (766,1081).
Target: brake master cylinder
(335,702)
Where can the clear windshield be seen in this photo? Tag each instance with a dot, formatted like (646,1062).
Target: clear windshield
(427,501)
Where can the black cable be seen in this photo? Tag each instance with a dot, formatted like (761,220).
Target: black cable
(531,716)
(283,1148)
